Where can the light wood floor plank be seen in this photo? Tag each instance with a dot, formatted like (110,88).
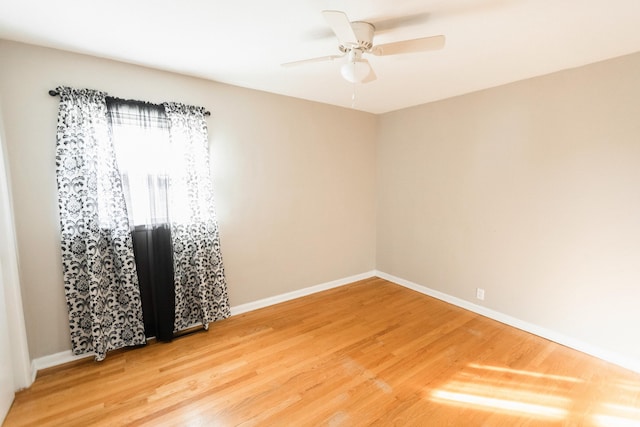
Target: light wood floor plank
(369,353)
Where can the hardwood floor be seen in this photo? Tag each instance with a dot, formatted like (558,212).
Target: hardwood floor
(369,353)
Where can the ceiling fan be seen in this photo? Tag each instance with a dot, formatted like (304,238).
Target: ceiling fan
(356,39)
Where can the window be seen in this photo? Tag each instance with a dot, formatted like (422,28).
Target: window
(140,134)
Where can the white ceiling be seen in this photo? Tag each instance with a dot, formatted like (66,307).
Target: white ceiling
(243,42)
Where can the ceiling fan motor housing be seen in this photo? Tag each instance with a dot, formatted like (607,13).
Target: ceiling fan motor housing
(364,33)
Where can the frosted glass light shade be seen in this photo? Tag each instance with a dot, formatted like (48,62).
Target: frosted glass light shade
(355,71)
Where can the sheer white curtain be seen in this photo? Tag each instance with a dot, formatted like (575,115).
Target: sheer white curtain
(141,141)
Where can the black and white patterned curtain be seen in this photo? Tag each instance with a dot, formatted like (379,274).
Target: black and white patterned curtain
(157,154)
(200,285)
(101,283)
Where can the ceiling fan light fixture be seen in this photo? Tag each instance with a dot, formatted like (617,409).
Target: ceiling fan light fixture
(355,71)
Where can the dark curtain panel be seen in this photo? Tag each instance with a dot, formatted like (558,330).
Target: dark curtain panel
(153,253)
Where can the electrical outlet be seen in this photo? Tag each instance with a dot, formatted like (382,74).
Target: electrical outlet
(480,294)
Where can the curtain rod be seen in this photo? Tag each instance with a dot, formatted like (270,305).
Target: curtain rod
(55,93)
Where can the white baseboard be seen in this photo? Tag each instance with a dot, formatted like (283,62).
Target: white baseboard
(250,306)
(55,360)
(606,355)
(67,356)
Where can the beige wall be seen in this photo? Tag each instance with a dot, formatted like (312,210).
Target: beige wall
(294,180)
(530,191)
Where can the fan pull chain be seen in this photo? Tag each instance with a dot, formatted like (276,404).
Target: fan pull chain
(353,97)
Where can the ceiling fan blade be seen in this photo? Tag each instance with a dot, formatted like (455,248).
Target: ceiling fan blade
(371,77)
(339,23)
(400,21)
(381,25)
(312,60)
(408,46)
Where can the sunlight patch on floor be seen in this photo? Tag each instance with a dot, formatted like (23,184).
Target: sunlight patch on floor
(503,399)
(616,415)
(627,410)
(506,390)
(525,373)
(629,386)
(539,395)
(504,405)
(611,421)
